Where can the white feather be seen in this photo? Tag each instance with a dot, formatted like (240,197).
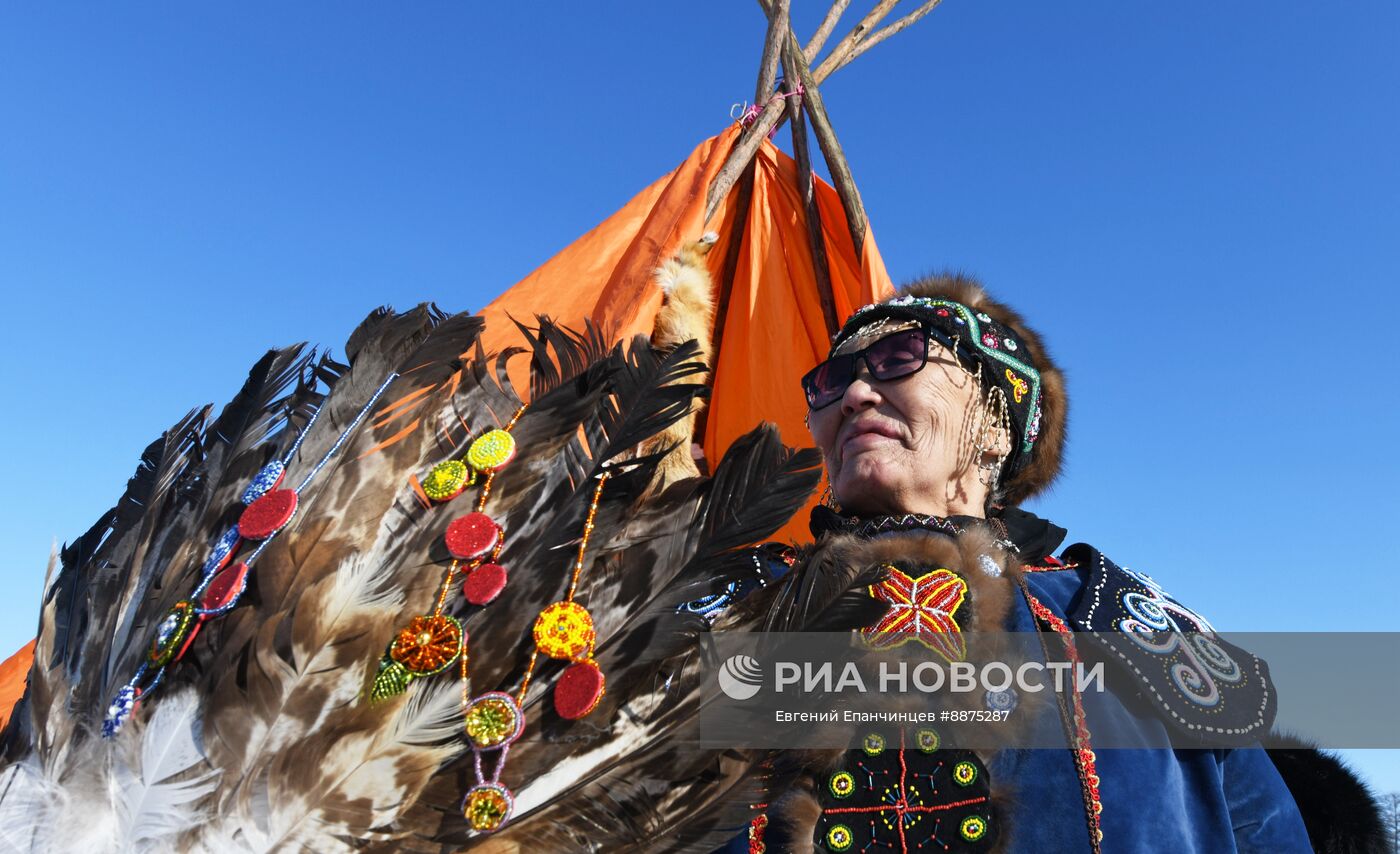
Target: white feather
(158,799)
(26,798)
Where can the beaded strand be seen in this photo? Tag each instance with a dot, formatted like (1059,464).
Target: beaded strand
(267,512)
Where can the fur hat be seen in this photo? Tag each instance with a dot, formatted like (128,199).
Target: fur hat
(1035,461)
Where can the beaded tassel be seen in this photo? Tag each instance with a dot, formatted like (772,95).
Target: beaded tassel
(493,721)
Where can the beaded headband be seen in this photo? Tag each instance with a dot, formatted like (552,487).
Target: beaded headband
(977,340)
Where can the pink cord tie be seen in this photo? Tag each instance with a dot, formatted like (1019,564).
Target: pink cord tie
(748,113)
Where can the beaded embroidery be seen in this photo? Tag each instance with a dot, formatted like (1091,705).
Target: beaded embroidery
(906,800)
(922,609)
(1208,688)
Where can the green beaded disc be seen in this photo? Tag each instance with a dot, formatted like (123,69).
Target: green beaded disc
(839,837)
(446,480)
(973,828)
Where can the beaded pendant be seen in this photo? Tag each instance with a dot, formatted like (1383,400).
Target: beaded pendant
(472,536)
(484,583)
(487,807)
(494,720)
(579,690)
(268,478)
(224,591)
(447,480)
(172,633)
(564,630)
(222,551)
(428,644)
(491,450)
(120,710)
(268,514)
(390,681)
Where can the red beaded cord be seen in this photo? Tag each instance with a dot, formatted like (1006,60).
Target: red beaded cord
(1083,752)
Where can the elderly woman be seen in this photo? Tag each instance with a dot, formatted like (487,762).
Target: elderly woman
(937,413)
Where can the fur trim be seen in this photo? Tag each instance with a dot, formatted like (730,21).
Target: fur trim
(1048,456)
(687,314)
(1338,808)
(794,817)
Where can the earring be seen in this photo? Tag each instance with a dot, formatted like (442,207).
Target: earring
(994,421)
(828,499)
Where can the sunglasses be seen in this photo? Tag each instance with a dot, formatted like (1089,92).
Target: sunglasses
(890,358)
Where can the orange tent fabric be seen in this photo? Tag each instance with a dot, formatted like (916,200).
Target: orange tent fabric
(774,329)
(14,674)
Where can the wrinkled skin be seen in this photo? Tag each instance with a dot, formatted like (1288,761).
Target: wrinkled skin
(907,445)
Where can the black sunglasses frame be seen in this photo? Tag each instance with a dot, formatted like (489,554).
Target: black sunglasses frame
(930,333)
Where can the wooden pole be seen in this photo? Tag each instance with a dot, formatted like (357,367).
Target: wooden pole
(833,17)
(806,186)
(835,158)
(842,53)
(772,50)
(877,37)
(857,41)
(739,158)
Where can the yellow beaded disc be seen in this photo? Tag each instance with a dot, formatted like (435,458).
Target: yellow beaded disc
(491,450)
(487,807)
(446,480)
(565,630)
(493,720)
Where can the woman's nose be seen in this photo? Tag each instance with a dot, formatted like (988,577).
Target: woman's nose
(860,394)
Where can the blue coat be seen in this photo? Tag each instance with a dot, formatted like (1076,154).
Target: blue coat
(1154,799)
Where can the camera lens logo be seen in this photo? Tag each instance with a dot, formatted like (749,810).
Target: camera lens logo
(740,677)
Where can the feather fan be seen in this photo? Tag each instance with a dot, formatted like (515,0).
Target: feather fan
(261,736)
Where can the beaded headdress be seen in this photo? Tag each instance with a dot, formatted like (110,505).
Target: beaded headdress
(980,342)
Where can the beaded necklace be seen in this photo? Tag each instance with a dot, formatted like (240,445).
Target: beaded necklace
(267,511)
(495,720)
(431,643)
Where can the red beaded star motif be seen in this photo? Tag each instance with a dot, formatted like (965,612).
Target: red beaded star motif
(922,609)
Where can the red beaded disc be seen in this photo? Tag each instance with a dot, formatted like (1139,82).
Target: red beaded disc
(578,690)
(268,514)
(472,536)
(484,583)
(225,589)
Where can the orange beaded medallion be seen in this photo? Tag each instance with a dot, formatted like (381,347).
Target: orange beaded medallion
(428,644)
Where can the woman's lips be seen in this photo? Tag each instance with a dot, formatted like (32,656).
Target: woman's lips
(864,440)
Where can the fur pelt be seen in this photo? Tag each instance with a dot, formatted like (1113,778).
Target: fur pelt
(687,314)
(1048,457)
(1339,809)
(843,566)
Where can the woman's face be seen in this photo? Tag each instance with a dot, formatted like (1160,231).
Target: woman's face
(904,445)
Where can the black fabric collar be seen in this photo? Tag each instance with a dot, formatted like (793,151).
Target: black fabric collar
(1033,537)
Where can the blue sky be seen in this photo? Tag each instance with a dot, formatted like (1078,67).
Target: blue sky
(1197,203)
